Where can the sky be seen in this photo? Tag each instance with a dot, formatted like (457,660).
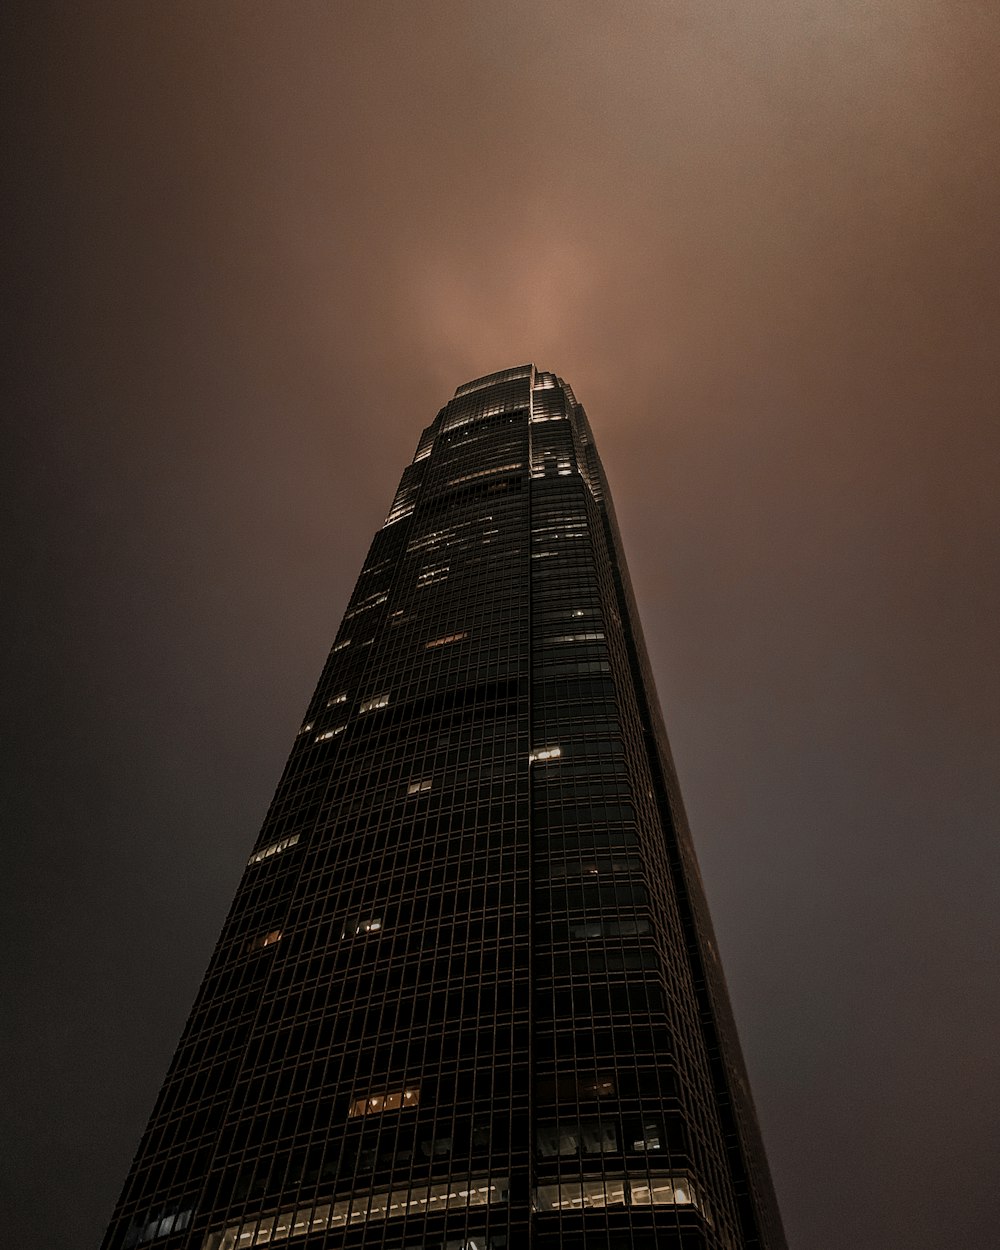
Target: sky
(253,247)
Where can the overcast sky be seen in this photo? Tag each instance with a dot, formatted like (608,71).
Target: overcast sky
(255,247)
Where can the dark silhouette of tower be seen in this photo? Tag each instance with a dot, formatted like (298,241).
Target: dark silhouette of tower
(467,995)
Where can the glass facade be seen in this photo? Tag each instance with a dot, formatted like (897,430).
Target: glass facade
(467,995)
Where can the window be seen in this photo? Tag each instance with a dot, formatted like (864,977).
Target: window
(264,939)
(541,754)
(585,1137)
(500,468)
(443,642)
(370,601)
(306,727)
(662,1191)
(639,1191)
(337,698)
(376,1104)
(272,849)
(652,1135)
(372,925)
(327,734)
(149,1227)
(609,928)
(419,787)
(461,1192)
(341,645)
(374,703)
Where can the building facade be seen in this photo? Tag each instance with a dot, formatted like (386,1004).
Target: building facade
(467,996)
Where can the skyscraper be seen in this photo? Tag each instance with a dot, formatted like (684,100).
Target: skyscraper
(467,996)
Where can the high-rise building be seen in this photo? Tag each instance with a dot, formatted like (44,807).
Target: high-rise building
(467,996)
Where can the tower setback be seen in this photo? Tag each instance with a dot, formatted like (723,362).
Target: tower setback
(467,996)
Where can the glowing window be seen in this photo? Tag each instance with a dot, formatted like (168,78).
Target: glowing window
(264,939)
(372,925)
(443,642)
(541,754)
(327,734)
(616,1191)
(662,1191)
(371,601)
(273,849)
(337,698)
(376,1104)
(341,645)
(383,1204)
(651,1138)
(419,787)
(374,703)
(306,727)
(469,477)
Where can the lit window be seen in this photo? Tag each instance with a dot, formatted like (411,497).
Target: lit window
(374,703)
(540,754)
(327,734)
(375,1104)
(443,642)
(273,849)
(306,727)
(650,1139)
(469,477)
(616,1191)
(431,540)
(433,573)
(595,637)
(662,1191)
(384,1203)
(341,645)
(337,698)
(373,925)
(371,601)
(264,939)
(419,787)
